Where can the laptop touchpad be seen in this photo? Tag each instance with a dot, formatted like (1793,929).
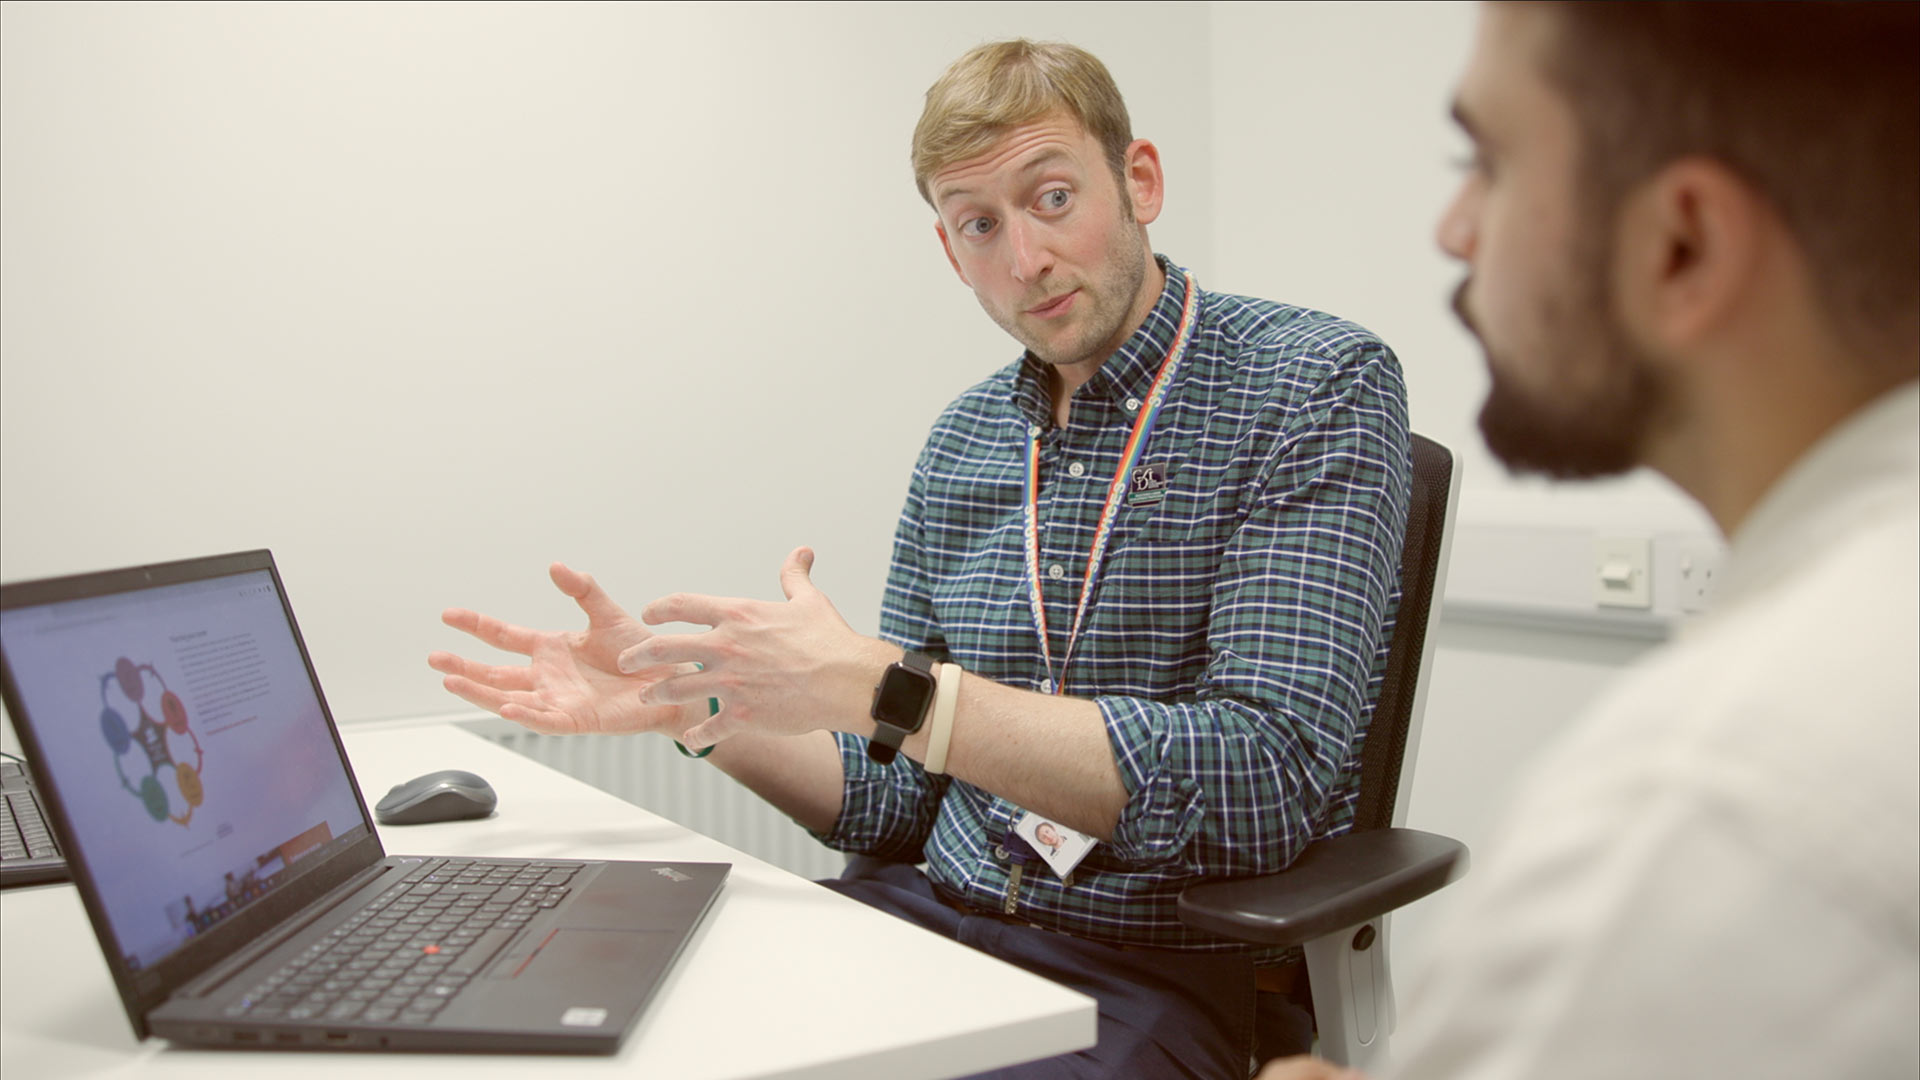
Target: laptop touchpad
(621,957)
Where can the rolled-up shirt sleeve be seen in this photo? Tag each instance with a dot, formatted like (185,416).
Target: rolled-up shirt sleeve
(1239,778)
(889,810)
(885,810)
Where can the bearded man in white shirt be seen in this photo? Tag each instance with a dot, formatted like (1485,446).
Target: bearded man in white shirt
(1692,237)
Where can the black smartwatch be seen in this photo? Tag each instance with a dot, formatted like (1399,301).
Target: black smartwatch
(900,704)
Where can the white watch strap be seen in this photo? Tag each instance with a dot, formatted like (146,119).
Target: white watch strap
(945,694)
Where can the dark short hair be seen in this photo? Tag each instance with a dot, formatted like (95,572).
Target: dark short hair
(1815,104)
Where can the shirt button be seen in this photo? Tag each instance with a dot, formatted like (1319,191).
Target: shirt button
(1133,404)
(1076,470)
(1056,571)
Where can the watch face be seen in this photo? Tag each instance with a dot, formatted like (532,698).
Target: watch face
(903,697)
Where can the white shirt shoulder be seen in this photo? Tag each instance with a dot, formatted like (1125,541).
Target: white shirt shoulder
(1718,872)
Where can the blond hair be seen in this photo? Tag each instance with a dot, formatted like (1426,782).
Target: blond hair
(1003,84)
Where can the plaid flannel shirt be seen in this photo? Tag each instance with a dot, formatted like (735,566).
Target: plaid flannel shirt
(1239,626)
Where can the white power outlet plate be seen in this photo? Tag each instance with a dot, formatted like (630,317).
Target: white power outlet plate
(1623,571)
(1697,566)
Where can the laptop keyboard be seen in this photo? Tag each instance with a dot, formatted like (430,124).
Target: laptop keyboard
(28,854)
(406,955)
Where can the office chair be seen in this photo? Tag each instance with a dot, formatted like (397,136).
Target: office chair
(1335,899)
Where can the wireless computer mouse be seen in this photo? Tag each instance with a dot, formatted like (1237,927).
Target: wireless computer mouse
(447,795)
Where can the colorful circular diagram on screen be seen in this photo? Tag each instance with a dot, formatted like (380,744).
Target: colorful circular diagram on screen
(171,788)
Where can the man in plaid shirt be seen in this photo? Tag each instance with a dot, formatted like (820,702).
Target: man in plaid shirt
(1141,595)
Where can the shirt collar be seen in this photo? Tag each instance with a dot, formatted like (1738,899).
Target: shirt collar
(1857,474)
(1130,371)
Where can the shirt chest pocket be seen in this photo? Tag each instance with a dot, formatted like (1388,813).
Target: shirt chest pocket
(1163,576)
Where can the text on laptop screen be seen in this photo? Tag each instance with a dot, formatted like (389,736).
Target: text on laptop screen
(181,728)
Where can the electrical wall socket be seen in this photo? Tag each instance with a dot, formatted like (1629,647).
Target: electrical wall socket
(1623,571)
(1695,567)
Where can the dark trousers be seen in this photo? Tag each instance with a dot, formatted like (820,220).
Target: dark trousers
(1163,1013)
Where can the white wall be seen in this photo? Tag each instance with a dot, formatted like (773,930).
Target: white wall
(425,296)
(1333,160)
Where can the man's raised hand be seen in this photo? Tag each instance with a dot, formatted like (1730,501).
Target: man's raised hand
(572,682)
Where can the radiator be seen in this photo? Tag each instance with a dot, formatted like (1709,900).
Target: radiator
(651,774)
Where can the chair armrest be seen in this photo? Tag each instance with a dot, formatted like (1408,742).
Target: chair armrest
(1336,883)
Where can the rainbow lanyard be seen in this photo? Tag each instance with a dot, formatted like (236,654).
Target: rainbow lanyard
(1129,459)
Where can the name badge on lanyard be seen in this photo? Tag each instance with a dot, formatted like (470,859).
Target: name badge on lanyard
(1056,845)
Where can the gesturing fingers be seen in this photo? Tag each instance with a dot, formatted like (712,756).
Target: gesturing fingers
(509,692)
(520,706)
(796,574)
(544,721)
(495,676)
(586,592)
(714,729)
(687,608)
(500,635)
(690,685)
(663,649)
(479,694)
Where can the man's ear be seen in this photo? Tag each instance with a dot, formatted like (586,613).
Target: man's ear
(1146,181)
(1688,242)
(946,245)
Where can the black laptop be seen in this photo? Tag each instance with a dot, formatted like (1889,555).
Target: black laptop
(197,785)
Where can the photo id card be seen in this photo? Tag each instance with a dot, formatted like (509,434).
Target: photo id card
(1058,846)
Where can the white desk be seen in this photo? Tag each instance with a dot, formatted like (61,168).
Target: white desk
(783,979)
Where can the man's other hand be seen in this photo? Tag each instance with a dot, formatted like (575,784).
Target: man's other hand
(1307,1068)
(776,667)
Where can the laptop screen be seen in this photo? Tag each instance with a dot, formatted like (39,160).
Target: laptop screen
(181,727)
